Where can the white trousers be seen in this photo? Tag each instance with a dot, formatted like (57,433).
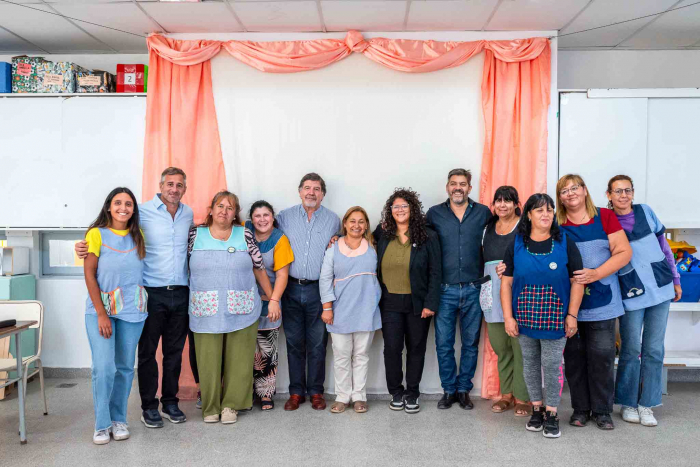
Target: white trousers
(350,364)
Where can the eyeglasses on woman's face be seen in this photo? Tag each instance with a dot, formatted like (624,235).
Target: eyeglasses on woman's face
(400,207)
(620,191)
(573,189)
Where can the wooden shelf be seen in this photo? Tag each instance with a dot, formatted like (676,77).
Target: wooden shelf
(686,358)
(74,94)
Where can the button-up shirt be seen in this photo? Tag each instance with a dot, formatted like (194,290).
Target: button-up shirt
(166,243)
(309,238)
(460,240)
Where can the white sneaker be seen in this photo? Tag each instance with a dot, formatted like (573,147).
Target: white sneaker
(646,415)
(228,416)
(212,418)
(120,431)
(629,414)
(101,436)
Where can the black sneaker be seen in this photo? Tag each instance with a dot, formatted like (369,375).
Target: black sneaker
(579,418)
(604,421)
(447,400)
(551,425)
(173,413)
(411,405)
(152,419)
(397,402)
(536,422)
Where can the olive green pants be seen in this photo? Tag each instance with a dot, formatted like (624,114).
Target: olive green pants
(510,361)
(234,353)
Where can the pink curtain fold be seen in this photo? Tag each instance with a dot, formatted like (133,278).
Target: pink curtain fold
(515,99)
(182,129)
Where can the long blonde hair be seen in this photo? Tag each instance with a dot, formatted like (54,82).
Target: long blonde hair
(368,233)
(576,179)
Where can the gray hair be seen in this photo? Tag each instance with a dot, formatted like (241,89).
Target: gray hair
(173,171)
(460,172)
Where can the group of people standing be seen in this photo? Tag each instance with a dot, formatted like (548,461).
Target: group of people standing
(546,284)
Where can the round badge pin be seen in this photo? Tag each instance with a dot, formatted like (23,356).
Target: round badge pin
(231,249)
(552,266)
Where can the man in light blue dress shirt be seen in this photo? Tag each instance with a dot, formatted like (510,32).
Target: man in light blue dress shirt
(309,227)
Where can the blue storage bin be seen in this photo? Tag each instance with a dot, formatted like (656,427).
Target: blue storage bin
(5,77)
(690,283)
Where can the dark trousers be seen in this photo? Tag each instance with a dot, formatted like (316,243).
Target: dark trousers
(193,357)
(401,326)
(306,338)
(589,361)
(167,318)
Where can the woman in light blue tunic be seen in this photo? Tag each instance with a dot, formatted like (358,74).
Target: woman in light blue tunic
(350,295)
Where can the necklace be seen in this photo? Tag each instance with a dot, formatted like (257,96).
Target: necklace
(509,226)
(223,236)
(541,254)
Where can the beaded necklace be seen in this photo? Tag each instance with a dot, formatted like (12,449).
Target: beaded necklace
(541,254)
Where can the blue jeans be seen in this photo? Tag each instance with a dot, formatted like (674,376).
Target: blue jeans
(112,368)
(458,301)
(639,382)
(306,338)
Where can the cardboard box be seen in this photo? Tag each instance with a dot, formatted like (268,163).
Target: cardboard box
(95,81)
(132,78)
(14,260)
(5,77)
(25,73)
(57,77)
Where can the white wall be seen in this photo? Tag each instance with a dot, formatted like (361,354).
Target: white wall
(629,69)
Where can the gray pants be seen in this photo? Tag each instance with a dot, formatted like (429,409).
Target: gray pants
(547,355)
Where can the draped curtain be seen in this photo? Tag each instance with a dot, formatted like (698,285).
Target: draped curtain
(182,129)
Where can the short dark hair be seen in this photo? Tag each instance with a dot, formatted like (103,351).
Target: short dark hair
(263,204)
(461,172)
(314,177)
(173,171)
(533,202)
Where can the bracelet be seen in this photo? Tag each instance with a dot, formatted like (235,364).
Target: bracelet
(274,300)
(573,316)
(328,309)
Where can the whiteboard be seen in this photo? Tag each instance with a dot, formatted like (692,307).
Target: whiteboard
(653,140)
(60,157)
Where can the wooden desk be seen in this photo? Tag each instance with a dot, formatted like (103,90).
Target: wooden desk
(7,332)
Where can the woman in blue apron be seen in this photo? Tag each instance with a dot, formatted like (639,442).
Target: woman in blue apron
(115,309)
(648,283)
(350,294)
(540,305)
(225,306)
(590,356)
(277,256)
(498,234)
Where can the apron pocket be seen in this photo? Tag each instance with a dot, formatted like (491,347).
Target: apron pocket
(630,284)
(595,295)
(113,301)
(662,273)
(539,307)
(486,297)
(240,302)
(205,303)
(141,299)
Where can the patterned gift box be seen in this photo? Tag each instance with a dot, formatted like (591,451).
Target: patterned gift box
(25,73)
(57,77)
(5,77)
(95,81)
(132,78)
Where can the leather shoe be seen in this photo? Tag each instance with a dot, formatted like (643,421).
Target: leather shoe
(293,402)
(447,400)
(464,401)
(318,402)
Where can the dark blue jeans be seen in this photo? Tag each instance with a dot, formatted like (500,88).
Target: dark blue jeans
(306,338)
(458,301)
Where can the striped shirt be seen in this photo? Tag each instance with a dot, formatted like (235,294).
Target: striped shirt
(309,238)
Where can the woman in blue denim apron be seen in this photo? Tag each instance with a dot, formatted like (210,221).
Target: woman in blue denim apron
(540,305)
(115,309)
(225,305)
(590,355)
(648,283)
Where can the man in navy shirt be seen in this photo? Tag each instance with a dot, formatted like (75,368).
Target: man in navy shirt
(460,223)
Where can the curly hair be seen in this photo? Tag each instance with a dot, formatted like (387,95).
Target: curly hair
(416,224)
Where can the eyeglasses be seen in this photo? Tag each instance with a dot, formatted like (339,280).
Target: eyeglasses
(400,207)
(572,189)
(627,191)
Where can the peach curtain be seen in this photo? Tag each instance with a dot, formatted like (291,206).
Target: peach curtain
(182,130)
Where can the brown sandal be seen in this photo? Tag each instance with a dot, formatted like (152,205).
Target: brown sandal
(360,406)
(502,405)
(337,407)
(523,409)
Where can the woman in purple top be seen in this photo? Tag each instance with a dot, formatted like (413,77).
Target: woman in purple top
(648,284)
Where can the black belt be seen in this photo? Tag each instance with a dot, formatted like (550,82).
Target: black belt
(170,287)
(302,281)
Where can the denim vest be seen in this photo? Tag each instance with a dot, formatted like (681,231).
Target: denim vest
(223,293)
(541,290)
(647,280)
(120,278)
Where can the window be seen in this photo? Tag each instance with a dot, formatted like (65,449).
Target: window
(58,253)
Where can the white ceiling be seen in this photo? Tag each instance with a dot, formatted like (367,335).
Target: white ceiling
(24,30)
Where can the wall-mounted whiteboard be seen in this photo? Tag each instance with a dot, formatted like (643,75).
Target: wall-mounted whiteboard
(60,157)
(655,141)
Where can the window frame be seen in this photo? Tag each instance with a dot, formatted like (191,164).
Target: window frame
(58,271)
